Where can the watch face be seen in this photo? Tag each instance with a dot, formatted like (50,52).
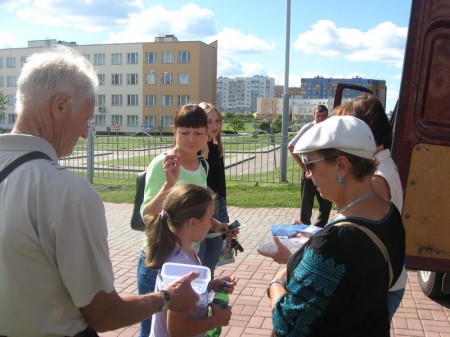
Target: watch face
(166,297)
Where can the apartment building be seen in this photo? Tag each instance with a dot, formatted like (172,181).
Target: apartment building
(240,94)
(141,85)
(300,109)
(320,87)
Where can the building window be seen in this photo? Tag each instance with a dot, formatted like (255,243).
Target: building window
(132,120)
(99,59)
(100,100)
(150,57)
(12,118)
(132,58)
(150,78)
(132,79)
(1,62)
(11,81)
(116,58)
(150,120)
(150,100)
(166,79)
(10,100)
(183,99)
(184,79)
(116,79)
(87,57)
(100,120)
(101,79)
(167,57)
(184,56)
(23,60)
(167,121)
(132,100)
(10,62)
(167,100)
(116,100)
(116,119)
(1,81)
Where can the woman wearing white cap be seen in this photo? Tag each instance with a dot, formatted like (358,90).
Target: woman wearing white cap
(336,284)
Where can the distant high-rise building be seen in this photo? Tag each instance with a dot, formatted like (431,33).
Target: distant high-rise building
(320,88)
(139,83)
(240,94)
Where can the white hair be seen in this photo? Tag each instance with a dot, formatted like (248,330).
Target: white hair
(58,70)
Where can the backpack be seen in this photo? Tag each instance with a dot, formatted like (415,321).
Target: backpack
(137,223)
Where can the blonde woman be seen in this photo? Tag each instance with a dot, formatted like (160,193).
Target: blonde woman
(213,153)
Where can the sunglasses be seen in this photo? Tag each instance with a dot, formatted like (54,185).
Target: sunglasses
(310,164)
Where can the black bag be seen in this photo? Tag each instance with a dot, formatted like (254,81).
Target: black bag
(137,223)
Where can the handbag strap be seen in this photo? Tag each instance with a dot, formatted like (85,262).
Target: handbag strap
(377,241)
(21,160)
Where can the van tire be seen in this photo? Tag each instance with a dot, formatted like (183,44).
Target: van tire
(431,283)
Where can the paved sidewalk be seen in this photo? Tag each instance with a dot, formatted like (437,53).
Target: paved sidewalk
(417,315)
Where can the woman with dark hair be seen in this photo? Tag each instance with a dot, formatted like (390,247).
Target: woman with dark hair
(336,284)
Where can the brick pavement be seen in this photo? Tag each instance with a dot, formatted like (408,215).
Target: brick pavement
(417,315)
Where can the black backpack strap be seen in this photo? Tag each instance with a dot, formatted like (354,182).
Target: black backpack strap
(21,160)
(204,164)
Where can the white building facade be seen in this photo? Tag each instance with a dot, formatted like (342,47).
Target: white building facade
(240,94)
(141,85)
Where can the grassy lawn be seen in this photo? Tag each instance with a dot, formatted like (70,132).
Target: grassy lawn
(241,194)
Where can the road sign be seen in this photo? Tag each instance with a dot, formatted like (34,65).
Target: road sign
(146,127)
(116,127)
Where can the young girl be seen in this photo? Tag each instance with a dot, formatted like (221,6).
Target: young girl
(180,164)
(213,152)
(185,218)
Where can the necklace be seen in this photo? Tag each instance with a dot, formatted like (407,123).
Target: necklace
(354,202)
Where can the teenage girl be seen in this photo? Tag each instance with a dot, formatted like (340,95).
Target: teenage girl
(185,218)
(211,249)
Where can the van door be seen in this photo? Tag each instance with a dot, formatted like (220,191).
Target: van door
(421,136)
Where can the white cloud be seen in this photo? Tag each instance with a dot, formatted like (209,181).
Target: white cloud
(7,41)
(156,21)
(384,43)
(232,40)
(90,16)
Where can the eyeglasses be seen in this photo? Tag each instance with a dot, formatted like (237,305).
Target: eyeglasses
(310,164)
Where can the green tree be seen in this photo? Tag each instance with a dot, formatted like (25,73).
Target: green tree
(3,102)
(228,115)
(277,124)
(236,124)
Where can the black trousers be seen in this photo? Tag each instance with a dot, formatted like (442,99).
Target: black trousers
(309,191)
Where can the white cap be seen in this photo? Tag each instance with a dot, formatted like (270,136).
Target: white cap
(345,133)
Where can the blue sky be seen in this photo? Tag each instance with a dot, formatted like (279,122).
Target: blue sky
(329,38)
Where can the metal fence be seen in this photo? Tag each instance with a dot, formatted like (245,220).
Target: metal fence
(247,158)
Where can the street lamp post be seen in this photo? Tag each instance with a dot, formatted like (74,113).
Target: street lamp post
(160,104)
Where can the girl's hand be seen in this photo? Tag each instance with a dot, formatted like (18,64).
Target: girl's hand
(222,316)
(171,167)
(223,283)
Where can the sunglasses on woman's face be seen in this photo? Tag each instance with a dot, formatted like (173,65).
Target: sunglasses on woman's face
(309,164)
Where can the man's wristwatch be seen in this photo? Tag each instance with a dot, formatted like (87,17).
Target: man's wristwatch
(166,298)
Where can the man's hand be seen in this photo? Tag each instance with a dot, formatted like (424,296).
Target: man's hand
(282,254)
(182,296)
